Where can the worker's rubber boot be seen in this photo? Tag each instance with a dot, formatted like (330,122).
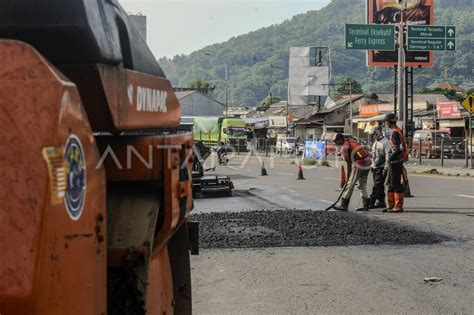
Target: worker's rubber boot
(365,205)
(380,204)
(343,206)
(372,202)
(391,201)
(398,203)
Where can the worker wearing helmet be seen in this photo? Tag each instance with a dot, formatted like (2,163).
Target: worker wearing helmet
(380,165)
(399,154)
(355,154)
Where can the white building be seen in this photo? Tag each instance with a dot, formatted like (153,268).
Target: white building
(195,104)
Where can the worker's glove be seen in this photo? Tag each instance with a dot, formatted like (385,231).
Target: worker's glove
(385,172)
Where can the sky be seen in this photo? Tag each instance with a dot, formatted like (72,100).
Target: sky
(183,26)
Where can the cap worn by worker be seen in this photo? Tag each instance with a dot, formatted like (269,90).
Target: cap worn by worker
(339,137)
(390,117)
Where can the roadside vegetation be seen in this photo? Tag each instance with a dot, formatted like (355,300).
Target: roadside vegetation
(260,57)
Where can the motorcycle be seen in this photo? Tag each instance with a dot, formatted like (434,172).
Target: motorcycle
(300,147)
(222,157)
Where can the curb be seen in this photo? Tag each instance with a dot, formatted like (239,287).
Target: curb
(413,169)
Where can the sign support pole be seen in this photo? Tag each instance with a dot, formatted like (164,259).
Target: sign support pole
(287,113)
(395,89)
(468,104)
(401,70)
(470,139)
(408,126)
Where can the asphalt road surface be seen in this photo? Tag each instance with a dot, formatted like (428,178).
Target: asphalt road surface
(339,279)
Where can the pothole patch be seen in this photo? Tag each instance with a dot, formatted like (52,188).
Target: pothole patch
(298,228)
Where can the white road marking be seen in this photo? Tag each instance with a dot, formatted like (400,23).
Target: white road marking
(326,201)
(331,178)
(286,174)
(456,178)
(466,196)
(291,190)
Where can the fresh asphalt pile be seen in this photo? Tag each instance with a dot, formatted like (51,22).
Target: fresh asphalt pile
(297,228)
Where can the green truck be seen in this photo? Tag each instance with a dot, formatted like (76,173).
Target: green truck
(212,130)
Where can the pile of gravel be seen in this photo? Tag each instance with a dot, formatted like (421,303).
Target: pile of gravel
(296,228)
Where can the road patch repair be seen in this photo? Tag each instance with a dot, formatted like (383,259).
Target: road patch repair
(300,228)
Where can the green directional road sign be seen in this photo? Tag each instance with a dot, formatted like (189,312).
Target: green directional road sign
(431,37)
(450,44)
(426,31)
(450,37)
(450,31)
(370,36)
(426,44)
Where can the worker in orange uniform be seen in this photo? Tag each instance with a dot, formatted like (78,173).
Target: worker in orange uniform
(355,154)
(399,154)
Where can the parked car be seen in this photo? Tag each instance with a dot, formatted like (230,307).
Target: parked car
(431,142)
(285,144)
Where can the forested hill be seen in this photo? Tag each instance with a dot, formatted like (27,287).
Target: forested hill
(262,55)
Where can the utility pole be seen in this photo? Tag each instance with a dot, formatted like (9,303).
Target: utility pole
(401,69)
(226,87)
(226,81)
(470,138)
(269,84)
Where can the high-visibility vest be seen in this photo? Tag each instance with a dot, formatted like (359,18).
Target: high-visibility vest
(357,150)
(404,156)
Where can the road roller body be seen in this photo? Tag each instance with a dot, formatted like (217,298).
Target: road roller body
(95,184)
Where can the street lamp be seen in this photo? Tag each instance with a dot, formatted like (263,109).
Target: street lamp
(269,84)
(226,81)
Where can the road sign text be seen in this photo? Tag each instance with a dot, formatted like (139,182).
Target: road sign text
(431,37)
(370,37)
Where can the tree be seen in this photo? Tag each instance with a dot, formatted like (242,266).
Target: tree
(266,102)
(450,94)
(469,92)
(202,86)
(345,87)
(250,57)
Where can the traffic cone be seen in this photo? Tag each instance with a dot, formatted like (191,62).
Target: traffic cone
(342,177)
(300,171)
(264,170)
(406,184)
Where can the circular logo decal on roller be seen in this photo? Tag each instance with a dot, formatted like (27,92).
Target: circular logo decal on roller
(75,195)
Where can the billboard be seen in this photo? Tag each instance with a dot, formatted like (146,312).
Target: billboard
(369,110)
(309,74)
(277,122)
(418,12)
(314,150)
(448,110)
